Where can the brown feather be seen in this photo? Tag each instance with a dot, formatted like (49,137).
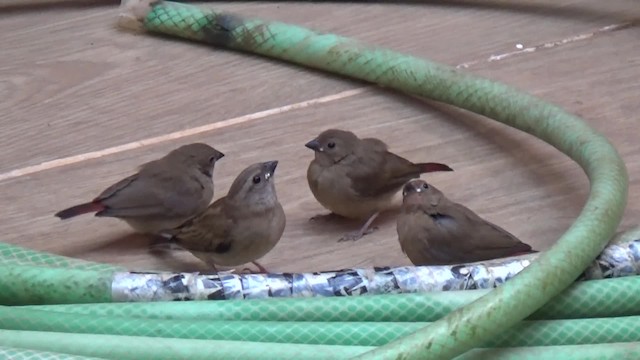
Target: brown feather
(164,192)
(355,177)
(433,230)
(240,227)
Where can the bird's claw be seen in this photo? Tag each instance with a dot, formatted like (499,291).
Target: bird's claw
(164,247)
(161,243)
(248,270)
(321,217)
(225,272)
(357,235)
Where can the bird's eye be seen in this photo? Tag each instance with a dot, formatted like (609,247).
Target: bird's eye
(331,145)
(256,179)
(425,186)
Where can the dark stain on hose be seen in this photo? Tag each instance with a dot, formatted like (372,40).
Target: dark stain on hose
(220,27)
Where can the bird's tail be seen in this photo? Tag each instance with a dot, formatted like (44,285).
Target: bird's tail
(79,210)
(432,167)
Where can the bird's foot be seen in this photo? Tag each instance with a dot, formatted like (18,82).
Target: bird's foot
(261,269)
(215,270)
(364,230)
(357,235)
(161,243)
(165,247)
(224,272)
(323,217)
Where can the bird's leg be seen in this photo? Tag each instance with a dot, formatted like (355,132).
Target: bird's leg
(165,247)
(213,266)
(202,256)
(217,272)
(260,267)
(364,230)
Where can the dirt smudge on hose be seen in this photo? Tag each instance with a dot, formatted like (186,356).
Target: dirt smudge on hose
(255,37)
(220,27)
(234,31)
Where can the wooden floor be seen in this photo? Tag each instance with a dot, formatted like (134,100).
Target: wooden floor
(79,99)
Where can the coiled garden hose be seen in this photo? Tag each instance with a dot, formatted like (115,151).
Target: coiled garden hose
(480,319)
(14,353)
(131,348)
(588,299)
(528,333)
(90,283)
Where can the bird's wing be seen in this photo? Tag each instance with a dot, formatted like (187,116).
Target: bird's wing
(114,189)
(376,173)
(485,239)
(187,193)
(153,192)
(423,241)
(130,197)
(154,166)
(374,144)
(209,232)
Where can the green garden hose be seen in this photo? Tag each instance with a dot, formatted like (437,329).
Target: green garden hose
(14,353)
(474,322)
(529,333)
(619,351)
(11,255)
(38,285)
(497,311)
(589,299)
(138,347)
(90,346)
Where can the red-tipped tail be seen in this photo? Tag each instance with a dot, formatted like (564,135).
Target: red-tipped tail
(79,210)
(433,167)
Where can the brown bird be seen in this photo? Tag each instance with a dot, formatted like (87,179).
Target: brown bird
(241,227)
(163,194)
(358,178)
(434,230)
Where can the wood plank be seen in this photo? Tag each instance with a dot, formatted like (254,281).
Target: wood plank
(57,80)
(506,176)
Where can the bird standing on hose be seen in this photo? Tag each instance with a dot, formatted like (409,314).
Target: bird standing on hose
(358,178)
(163,194)
(434,230)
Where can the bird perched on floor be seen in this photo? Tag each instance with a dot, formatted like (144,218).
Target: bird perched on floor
(434,230)
(358,178)
(163,194)
(241,227)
